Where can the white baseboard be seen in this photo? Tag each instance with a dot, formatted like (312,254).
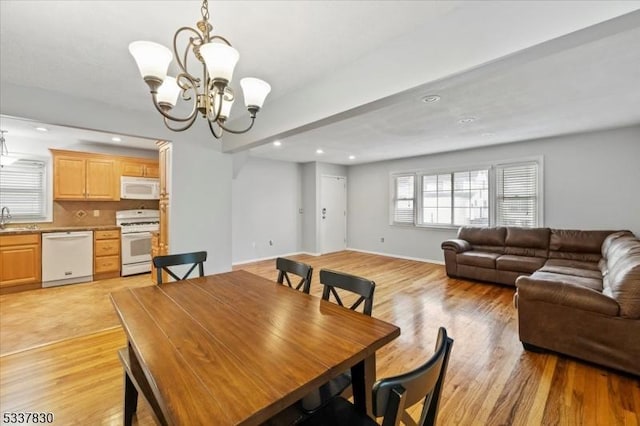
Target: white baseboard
(417,259)
(267,258)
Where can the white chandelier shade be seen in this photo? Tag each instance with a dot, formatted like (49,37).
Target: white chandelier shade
(168,92)
(255,91)
(152,58)
(220,60)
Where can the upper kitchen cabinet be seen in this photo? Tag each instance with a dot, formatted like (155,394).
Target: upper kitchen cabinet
(140,168)
(83,176)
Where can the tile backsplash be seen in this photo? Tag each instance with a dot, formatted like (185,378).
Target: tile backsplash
(82,213)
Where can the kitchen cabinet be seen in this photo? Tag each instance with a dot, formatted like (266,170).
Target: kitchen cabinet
(20,262)
(140,168)
(83,176)
(106,254)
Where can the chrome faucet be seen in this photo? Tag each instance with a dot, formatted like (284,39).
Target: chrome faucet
(5,217)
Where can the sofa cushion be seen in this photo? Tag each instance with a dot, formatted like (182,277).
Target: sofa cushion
(577,241)
(575,244)
(561,279)
(483,236)
(526,264)
(537,238)
(478,258)
(567,270)
(622,281)
(567,263)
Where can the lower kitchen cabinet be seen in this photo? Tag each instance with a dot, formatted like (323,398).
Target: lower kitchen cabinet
(106,254)
(20,262)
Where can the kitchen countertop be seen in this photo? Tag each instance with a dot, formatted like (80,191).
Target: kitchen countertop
(24,230)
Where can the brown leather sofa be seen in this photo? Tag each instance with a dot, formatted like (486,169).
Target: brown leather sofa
(578,295)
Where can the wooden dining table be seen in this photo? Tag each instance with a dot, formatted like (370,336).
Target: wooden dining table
(237,349)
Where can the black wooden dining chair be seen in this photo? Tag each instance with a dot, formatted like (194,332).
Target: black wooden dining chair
(288,266)
(393,395)
(364,289)
(164,262)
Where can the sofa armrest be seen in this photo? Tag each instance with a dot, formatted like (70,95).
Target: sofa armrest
(456,245)
(565,294)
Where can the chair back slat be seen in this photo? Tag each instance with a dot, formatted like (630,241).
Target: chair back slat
(422,384)
(286,267)
(163,263)
(354,284)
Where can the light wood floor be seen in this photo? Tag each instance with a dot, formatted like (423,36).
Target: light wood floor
(58,350)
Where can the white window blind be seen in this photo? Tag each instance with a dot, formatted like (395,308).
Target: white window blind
(23,189)
(517,195)
(404,199)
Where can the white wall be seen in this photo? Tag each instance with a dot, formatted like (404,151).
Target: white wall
(265,202)
(591,181)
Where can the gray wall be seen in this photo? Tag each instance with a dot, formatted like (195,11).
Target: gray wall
(265,202)
(309,207)
(591,181)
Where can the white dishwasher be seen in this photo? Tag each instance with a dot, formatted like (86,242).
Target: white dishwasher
(67,258)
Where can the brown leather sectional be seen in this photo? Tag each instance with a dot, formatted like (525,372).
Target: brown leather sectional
(578,292)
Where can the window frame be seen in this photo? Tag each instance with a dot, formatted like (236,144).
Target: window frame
(47,190)
(492,190)
(394,198)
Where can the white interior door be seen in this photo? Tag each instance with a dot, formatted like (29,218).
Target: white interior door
(333,214)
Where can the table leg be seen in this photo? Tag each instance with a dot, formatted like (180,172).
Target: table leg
(363,376)
(130,400)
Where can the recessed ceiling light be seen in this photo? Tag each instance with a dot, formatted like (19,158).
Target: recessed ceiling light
(352,157)
(467,120)
(277,143)
(488,134)
(430,98)
(42,129)
(116,139)
(319,151)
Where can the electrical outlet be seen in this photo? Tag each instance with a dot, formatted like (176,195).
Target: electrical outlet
(253,244)
(301,211)
(382,239)
(96,213)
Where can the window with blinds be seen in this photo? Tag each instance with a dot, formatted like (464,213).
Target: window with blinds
(23,190)
(404,199)
(517,195)
(507,194)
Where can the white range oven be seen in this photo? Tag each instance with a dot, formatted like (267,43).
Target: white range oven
(135,229)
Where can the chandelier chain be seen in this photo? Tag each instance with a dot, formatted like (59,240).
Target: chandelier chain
(205,10)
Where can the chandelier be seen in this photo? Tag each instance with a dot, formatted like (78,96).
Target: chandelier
(211,95)
(5,159)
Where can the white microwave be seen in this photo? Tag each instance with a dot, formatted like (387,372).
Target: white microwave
(138,188)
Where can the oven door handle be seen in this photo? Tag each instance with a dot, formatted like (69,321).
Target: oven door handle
(137,235)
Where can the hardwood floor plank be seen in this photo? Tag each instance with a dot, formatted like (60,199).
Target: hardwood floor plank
(59,355)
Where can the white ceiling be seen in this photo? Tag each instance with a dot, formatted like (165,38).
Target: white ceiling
(80,48)
(19,129)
